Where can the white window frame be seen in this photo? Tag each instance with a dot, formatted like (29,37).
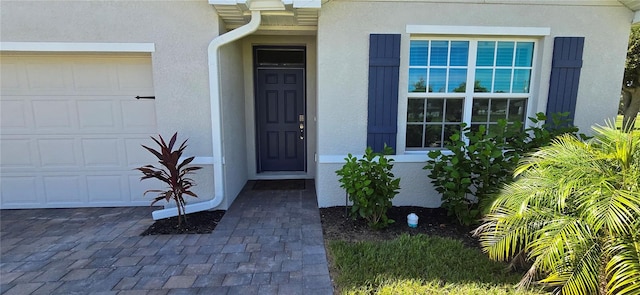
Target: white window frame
(474,34)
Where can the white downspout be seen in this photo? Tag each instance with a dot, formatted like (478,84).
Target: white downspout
(216,118)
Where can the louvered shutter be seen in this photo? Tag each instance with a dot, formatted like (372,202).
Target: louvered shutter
(565,75)
(384,63)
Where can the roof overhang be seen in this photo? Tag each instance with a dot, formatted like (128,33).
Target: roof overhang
(635,6)
(278,16)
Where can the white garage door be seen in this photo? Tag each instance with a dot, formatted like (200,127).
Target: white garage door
(72,128)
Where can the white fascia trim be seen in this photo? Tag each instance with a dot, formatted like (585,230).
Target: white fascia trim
(478,30)
(418,157)
(77,47)
(636,17)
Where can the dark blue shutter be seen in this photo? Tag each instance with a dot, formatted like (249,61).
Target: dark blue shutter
(384,63)
(565,75)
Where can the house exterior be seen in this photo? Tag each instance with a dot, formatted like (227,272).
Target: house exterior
(273,89)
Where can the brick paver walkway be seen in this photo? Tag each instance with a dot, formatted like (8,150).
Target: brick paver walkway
(268,242)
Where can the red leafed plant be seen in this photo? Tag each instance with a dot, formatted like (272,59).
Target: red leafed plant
(174,173)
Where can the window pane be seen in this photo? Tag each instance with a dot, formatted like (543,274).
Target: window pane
(449,130)
(454,110)
(486,49)
(480,110)
(434,110)
(417,80)
(419,52)
(433,136)
(504,56)
(414,136)
(457,80)
(483,80)
(439,52)
(498,110)
(521,80)
(503,81)
(459,53)
(524,54)
(415,110)
(437,79)
(517,110)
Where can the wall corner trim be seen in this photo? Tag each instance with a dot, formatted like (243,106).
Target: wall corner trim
(478,30)
(76,47)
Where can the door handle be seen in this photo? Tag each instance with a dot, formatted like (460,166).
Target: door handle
(301,120)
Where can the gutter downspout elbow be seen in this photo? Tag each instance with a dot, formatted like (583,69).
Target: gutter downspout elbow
(216,118)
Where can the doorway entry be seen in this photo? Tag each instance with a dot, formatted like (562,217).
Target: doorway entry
(280,103)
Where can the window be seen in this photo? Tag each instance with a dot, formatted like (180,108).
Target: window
(439,99)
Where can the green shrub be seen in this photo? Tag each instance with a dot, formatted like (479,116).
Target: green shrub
(574,213)
(475,164)
(370,185)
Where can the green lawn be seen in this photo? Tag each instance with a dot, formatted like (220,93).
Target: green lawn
(419,265)
(619,122)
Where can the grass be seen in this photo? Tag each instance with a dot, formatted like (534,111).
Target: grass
(419,265)
(619,122)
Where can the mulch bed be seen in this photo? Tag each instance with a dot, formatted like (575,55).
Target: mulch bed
(197,223)
(337,225)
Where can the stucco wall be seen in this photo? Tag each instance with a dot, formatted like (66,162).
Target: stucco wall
(343,37)
(233,113)
(180,66)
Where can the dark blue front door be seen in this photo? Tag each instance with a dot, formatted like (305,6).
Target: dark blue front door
(281,119)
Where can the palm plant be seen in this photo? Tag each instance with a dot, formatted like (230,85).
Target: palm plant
(574,214)
(174,173)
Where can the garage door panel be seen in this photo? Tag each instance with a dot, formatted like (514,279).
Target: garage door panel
(52,114)
(17,190)
(98,114)
(17,153)
(10,73)
(101,152)
(13,114)
(106,188)
(138,156)
(135,76)
(57,153)
(64,189)
(72,130)
(93,76)
(46,76)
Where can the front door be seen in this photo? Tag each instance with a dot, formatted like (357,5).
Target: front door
(281,119)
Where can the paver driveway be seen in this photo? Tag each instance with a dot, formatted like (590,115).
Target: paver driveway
(268,242)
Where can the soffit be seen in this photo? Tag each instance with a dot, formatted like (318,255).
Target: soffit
(298,15)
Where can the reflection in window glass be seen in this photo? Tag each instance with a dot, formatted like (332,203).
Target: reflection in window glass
(502,78)
(418,53)
(457,80)
(502,83)
(441,116)
(484,80)
(486,52)
(521,81)
(504,56)
(498,110)
(511,109)
(459,53)
(437,80)
(524,54)
(415,110)
(434,110)
(414,136)
(418,80)
(439,53)
(433,136)
(517,110)
(454,110)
